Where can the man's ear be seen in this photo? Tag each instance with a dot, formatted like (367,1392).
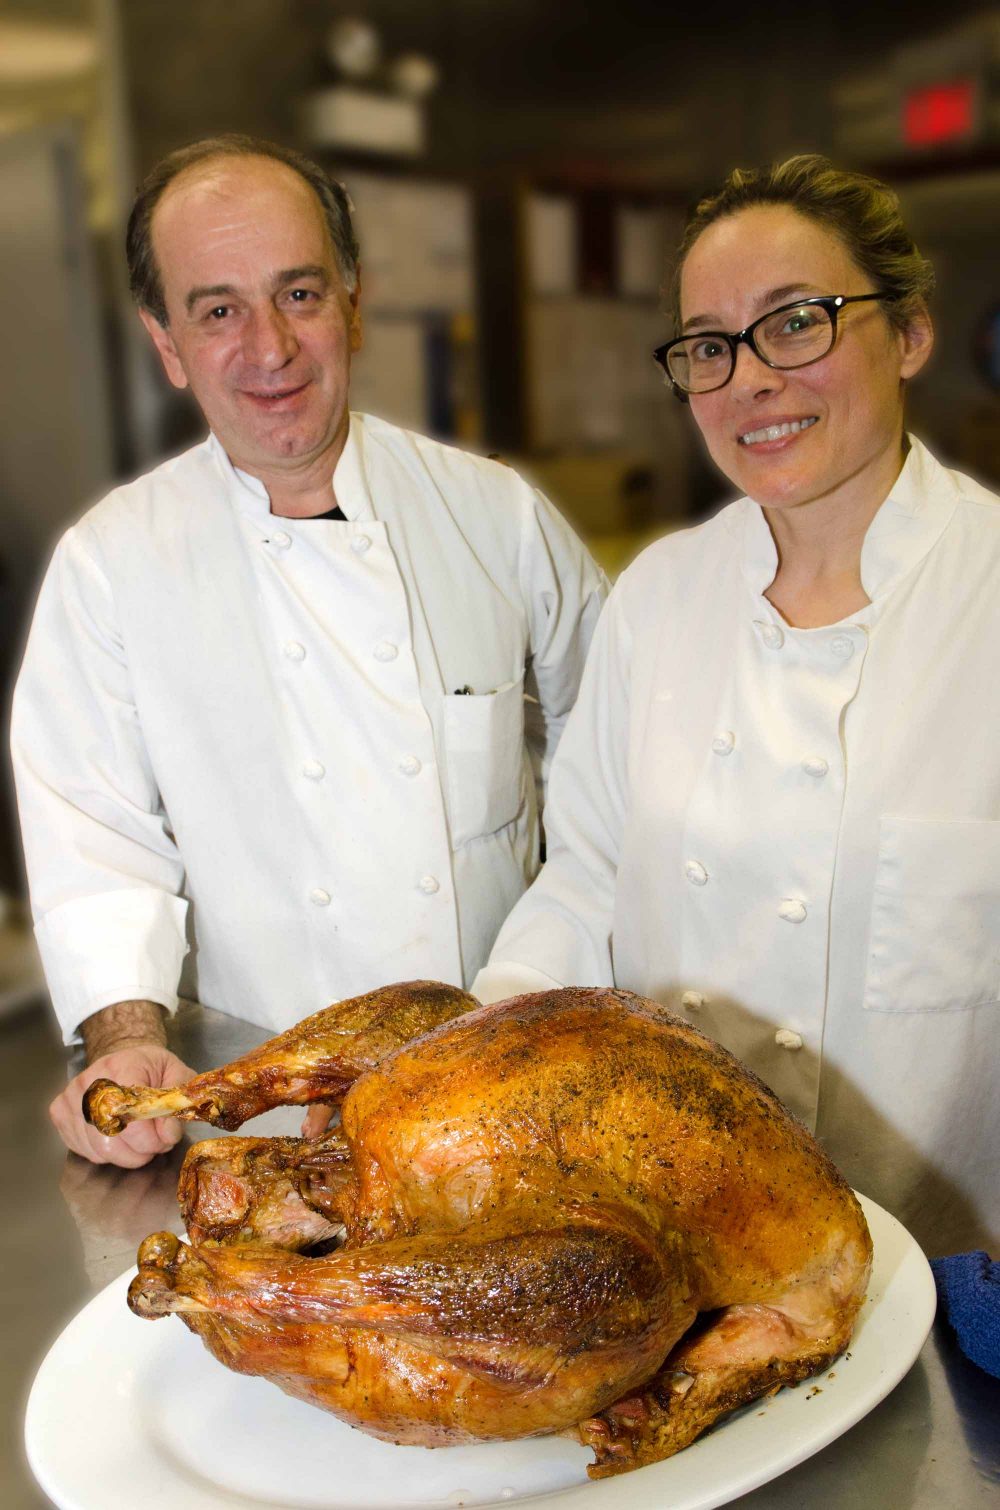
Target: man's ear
(916,344)
(164,343)
(356,329)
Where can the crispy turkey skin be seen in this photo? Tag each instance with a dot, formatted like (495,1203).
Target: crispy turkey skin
(522,1215)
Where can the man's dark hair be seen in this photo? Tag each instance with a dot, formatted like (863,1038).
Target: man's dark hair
(143,273)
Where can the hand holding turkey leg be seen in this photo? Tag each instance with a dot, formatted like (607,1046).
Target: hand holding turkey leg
(316,1061)
(127,1039)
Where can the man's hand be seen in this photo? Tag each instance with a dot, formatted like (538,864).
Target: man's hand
(142,1064)
(126,1043)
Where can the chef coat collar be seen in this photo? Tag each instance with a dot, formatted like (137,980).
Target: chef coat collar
(909,522)
(349,486)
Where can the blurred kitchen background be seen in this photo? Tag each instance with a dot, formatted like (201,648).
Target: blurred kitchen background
(520,171)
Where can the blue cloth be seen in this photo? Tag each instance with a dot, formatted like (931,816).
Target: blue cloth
(968,1286)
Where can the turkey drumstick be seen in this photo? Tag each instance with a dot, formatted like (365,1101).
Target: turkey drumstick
(316,1061)
(512,1331)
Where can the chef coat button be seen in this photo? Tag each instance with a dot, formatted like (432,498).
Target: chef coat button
(842,646)
(360,544)
(724,742)
(410,765)
(696,873)
(792,910)
(815,765)
(786,1039)
(429,885)
(320,897)
(294,651)
(772,635)
(385,650)
(281,540)
(692,1000)
(314,769)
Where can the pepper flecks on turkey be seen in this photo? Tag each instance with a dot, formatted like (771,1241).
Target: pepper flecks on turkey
(539,1199)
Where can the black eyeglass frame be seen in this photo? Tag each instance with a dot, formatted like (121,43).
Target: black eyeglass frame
(831,303)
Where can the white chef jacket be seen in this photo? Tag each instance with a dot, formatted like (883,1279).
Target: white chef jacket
(792,836)
(293,750)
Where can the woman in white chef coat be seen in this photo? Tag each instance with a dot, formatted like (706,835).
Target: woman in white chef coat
(776,807)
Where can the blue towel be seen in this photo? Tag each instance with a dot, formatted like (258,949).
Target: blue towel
(968,1287)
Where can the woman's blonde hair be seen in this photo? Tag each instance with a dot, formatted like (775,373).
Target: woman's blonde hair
(862,211)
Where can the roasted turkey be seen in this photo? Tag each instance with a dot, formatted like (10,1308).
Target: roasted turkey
(567,1211)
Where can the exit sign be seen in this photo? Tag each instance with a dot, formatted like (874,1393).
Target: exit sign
(938,113)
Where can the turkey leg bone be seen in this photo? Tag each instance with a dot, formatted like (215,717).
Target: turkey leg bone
(316,1061)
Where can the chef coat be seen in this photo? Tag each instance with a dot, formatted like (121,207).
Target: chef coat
(293,750)
(791,837)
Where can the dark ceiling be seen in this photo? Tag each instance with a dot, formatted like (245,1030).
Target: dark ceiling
(626,92)
(510,50)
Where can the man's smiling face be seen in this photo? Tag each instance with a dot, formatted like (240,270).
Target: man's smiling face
(845,412)
(260,324)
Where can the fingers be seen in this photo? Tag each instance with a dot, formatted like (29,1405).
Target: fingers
(168,1131)
(140,1141)
(131,1150)
(87,1142)
(316,1121)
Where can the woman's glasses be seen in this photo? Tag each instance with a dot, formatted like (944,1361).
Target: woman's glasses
(793,336)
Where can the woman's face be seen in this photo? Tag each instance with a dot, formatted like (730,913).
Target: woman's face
(850,403)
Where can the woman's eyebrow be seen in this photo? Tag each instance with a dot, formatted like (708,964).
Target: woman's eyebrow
(769,300)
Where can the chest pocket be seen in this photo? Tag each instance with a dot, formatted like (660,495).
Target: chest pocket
(934,943)
(484,740)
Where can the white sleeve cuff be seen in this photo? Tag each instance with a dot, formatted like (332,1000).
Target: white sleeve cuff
(125,945)
(497,982)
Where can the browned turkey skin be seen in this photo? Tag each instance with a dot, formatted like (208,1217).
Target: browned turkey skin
(539,1199)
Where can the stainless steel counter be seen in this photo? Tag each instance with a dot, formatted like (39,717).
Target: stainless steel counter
(934,1442)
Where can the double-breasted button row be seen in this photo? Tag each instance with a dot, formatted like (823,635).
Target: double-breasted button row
(790,909)
(315,770)
(724,743)
(283,541)
(841,646)
(384,651)
(320,897)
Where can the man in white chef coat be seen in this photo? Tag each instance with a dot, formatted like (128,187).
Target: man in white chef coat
(269,736)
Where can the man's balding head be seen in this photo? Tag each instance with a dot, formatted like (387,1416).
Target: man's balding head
(144,275)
